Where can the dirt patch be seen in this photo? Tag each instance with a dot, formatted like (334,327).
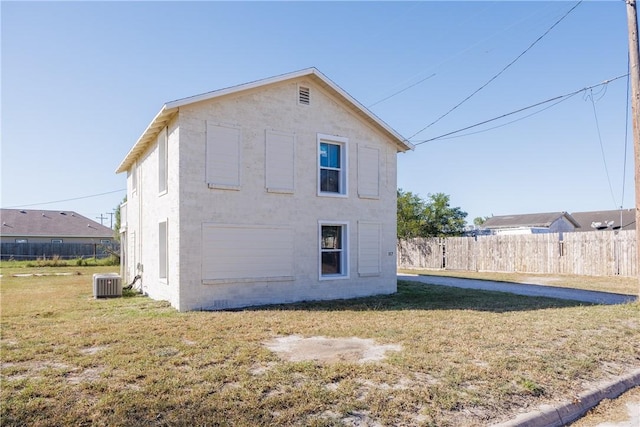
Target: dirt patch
(329,350)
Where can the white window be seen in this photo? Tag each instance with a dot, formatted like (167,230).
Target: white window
(102,241)
(22,241)
(332,165)
(223,157)
(56,240)
(162,161)
(369,248)
(237,253)
(368,172)
(334,250)
(134,178)
(162,250)
(280,162)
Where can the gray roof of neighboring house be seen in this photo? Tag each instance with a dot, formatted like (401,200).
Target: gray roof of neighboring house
(40,223)
(527,220)
(606,220)
(169,109)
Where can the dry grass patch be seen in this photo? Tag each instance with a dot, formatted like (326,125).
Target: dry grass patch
(466,358)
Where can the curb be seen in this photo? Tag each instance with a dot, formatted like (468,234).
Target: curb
(564,413)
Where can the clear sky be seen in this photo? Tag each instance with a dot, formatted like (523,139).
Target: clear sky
(82,80)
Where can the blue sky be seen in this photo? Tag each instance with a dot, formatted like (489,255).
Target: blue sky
(82,80)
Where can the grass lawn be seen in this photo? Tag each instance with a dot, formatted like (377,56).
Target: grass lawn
(467,357)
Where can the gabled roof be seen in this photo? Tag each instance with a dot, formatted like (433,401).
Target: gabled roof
(169,109)
(606,220)
(39,223)
(543,220)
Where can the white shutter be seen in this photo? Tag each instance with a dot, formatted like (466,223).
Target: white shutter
(237,252)
(368,172)
(223,157)
(280,162)
(162,161)
(369,236)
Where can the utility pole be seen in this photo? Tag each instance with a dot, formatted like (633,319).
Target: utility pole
(111,215)
(101,218)
(634,74)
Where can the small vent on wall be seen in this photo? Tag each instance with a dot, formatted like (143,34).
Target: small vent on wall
(303,95)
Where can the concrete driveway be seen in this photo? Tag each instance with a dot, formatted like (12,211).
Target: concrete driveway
(524,289)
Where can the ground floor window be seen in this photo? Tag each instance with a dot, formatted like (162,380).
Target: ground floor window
(162,253)
(333,250)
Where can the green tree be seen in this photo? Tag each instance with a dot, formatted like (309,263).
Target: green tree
(479,220)
(116,225)
(428,218)
(442,220)
(411,209)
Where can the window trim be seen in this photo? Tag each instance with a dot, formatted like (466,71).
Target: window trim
(163,161)
(163,274)
(345,251)
(134,178)
(342,142)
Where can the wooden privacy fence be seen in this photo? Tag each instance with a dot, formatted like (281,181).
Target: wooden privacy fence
(30,251)
(595,253)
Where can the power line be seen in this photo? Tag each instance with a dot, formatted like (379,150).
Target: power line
(604,159)
(555,98)
(402,90)
(513,121)
(66,200)
(499,73)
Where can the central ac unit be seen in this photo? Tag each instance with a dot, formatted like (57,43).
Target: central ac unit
(107,285)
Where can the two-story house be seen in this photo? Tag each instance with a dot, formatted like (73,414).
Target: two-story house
(274,191)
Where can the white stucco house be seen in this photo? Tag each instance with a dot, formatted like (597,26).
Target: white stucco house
(275,191)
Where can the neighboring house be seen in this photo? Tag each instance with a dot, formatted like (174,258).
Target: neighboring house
(275,191)
(622,219)
(46,226)
(553,222)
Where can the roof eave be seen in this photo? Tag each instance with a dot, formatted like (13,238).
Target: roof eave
(159,121)
(170,108)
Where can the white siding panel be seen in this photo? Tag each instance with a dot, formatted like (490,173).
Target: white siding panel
(369,249)
(223,156)
(280,162)
(246,252)
(368,172)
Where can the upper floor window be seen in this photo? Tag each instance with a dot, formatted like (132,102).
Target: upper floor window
(332,165)
(162,161)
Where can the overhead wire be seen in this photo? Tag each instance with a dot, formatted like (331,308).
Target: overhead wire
(555,98)
(402,90)
(66,200)
(499,73)
(512,121)
(604,158)
(449,58)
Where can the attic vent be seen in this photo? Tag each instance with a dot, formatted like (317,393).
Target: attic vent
(303,95)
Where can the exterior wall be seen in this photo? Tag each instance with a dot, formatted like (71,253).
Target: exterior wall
(146,207)
(251,204)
